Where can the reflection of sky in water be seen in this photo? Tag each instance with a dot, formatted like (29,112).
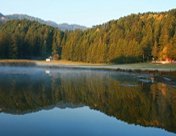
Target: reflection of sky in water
(126,96)
(71,122)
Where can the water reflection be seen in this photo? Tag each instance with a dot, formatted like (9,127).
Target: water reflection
(135,99)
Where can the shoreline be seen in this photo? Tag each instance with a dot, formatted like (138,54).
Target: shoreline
(165,73)
(137,67)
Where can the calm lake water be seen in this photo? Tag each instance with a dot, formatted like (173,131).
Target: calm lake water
(48,102)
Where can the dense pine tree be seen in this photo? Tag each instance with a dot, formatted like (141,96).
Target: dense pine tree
(134,38)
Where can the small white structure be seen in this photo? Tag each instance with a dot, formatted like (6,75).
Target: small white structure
(49,59)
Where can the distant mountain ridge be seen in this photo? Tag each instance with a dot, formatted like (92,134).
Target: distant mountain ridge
(2,18)
(63,27)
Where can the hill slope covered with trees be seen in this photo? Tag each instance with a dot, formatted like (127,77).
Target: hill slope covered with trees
(27,40)
(134,38)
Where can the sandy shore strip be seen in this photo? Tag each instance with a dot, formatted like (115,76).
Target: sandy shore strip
(82,65)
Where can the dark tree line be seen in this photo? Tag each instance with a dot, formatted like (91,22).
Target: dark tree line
(135,38)
(27,40)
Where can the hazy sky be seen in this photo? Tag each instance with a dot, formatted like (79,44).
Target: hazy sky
(84,12)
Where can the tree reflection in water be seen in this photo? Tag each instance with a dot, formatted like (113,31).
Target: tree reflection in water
(122,95)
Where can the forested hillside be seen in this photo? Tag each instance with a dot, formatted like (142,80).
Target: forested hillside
(135,38)
(27,40)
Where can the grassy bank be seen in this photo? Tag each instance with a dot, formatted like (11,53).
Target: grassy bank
(70,64)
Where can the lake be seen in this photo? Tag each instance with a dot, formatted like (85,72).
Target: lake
(73,102)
